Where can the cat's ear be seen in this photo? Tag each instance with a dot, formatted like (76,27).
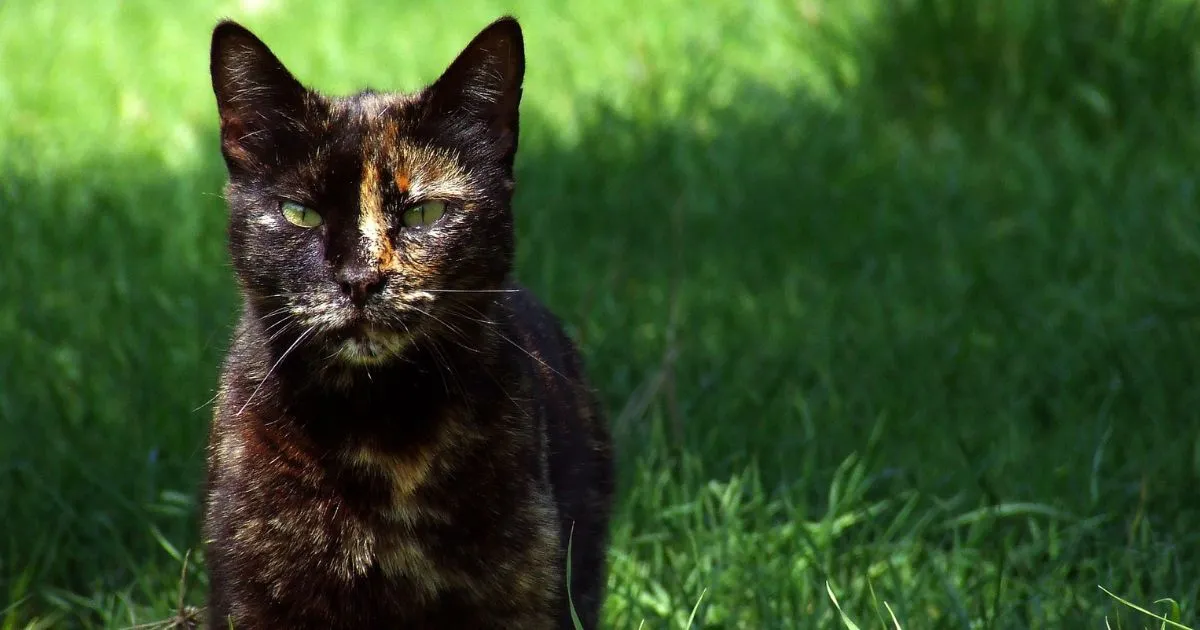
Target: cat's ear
(257,98)
(483,84)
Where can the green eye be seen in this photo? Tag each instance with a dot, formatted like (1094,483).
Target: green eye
(298,215)
(424,215)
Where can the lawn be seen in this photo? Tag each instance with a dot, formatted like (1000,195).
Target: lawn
(893,302)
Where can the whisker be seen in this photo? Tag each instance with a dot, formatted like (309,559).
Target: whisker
(496,329)
(279,333)
(439,362)
(483,366)
(283,356)
(274,296)
(207,402)
(276,319)
(471,290)
(282,321)
(281,324)
(531,355)
(275,313)
(443,322)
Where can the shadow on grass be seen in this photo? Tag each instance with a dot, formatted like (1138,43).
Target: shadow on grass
(115,305)
(1001,305)
(764,284)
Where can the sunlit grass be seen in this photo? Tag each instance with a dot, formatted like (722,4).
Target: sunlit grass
(878,321)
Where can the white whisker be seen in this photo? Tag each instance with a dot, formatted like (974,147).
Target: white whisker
(449,327)
(472,290)
(440,362)
(496,329)
(288,326)
(283,356)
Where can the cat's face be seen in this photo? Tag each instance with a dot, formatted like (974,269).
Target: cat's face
(359,224)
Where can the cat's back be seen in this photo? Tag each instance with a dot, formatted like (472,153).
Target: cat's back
(579,454)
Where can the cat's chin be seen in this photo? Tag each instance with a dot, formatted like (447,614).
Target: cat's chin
(371,346)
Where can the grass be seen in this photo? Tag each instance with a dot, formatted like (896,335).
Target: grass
(892,303)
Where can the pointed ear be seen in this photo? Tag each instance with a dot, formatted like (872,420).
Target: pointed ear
(483,85)
(257,98)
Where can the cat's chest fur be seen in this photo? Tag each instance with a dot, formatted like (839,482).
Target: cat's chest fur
(374,512)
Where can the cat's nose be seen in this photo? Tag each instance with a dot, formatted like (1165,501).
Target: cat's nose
(360,283)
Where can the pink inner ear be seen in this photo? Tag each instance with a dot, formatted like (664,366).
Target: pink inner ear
(232,132)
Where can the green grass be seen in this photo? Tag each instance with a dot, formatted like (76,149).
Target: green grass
(891,302)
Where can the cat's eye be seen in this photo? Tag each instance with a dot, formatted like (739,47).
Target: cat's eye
(424,215)
(300,216)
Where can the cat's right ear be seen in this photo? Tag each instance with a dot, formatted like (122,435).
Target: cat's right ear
(257,98)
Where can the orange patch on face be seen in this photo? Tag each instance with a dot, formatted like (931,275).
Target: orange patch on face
(372,222)
(387,257)
(402,182)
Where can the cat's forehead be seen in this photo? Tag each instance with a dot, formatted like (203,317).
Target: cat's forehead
(369,118)
(380,132)
(371,104)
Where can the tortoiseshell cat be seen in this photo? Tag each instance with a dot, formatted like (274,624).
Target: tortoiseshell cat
(404,437)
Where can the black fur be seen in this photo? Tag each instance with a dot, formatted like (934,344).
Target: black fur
(404,436)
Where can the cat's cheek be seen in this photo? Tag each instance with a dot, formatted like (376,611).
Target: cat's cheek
(267,222)
(306,259)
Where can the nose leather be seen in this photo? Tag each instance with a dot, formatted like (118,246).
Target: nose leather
(359,282)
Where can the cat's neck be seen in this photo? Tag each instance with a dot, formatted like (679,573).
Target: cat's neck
(331,407)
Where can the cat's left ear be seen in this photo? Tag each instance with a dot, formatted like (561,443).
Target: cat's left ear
(483,84)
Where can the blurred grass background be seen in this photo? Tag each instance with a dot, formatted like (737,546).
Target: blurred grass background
(896,297)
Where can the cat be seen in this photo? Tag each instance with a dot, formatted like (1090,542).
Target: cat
(403,435)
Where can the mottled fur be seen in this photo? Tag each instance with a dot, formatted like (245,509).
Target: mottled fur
(404,437)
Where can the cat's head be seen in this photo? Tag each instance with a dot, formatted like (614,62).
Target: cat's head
(360,223)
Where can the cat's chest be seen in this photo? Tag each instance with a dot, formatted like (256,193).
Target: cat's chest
(361,517)
(344,476)
(385,493)
(393,526)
